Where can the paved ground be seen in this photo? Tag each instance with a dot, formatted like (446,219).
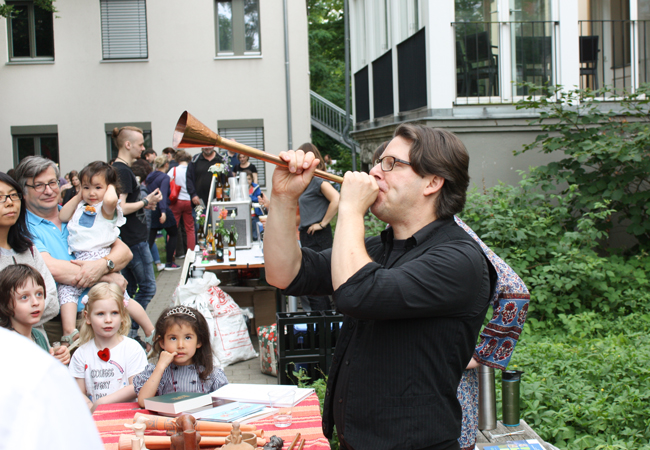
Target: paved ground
(241,372)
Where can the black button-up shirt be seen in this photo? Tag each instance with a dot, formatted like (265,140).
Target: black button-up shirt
(413,317)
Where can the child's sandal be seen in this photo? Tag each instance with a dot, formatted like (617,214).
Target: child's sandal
(69,339)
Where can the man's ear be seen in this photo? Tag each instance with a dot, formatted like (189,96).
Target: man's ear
(435,183)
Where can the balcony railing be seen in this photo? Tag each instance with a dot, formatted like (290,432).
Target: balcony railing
(487,71)
(614,53)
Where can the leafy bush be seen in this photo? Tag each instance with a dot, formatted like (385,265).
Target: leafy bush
(553,251)
(607,152)
(585,384)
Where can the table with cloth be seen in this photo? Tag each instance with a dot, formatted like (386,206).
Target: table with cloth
(110,420)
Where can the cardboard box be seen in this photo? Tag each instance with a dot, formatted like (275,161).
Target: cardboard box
(261,298)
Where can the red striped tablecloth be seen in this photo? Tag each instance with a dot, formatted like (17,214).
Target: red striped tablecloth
(110,420)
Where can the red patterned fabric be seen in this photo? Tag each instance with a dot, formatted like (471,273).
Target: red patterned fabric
(110,420)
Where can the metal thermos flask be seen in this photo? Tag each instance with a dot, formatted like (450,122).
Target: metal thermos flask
(510,380)
(487,399)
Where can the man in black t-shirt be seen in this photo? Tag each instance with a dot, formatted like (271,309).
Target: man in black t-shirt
(198,177)
(139,272)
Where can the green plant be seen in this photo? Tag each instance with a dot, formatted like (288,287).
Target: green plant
(606,151)
(553,251)
(319,386)
(585,381)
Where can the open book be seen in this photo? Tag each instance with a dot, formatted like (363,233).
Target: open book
(259,393)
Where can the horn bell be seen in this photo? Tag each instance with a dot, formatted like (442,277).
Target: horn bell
(190,132)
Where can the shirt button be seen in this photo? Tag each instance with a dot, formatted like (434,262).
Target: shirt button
(347,363)
(340,400)
(327,392)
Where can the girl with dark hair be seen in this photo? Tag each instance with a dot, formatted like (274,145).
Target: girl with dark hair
(319,203)
(93,217)
(22,301)
(185,357)
(16,245)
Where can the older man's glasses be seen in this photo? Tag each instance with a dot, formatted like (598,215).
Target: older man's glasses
(14,197)
(387,163)
(40,187)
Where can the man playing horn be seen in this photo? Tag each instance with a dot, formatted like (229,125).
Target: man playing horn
(414,298)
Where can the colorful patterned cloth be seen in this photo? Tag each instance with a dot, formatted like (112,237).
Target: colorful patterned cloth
(498,338)
(268,339)
(110,420)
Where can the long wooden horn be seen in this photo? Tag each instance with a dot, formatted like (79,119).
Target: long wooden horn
(189,132)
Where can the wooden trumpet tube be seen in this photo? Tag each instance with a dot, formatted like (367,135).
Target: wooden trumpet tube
(167,424)
(190,132)
(165,442)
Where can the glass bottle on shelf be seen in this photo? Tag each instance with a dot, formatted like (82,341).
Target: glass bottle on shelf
(209,240)
(232,247)
(219,194)
(219,248)
(226,191)
(201,238)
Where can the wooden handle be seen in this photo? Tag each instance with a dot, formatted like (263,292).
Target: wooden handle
(295,441)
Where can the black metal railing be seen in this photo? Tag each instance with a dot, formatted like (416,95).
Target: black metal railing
(535,58)
(477,59)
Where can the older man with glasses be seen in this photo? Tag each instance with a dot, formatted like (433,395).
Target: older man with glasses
(39,178)
(414,298)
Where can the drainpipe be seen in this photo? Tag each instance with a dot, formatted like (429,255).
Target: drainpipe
(346,130)
(286,68)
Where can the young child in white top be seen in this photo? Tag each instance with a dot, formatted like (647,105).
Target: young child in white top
(104,366)
(185,362)
(93,219)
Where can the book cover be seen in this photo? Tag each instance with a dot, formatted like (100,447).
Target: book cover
(528,444)
(229,412)
(177,402)
(259,393)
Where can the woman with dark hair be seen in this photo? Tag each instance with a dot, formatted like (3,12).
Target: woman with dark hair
(245,164)
(16,246)
(318,204)
(182,209)
(68,191)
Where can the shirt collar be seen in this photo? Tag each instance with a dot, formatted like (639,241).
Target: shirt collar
(387,236)
(33,219)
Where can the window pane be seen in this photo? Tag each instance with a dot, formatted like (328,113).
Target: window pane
(44,32)
(50,148)
(20,31)
(224,17)
(252,25)
(25,147)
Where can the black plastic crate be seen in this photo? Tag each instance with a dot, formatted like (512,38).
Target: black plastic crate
(300,334)
(332,323)
(313,367)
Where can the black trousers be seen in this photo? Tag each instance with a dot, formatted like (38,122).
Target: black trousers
(170,245)
(319,241)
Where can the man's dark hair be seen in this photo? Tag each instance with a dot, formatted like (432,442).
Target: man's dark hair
(438,152)
(169,150)
(146,152)
(141,168)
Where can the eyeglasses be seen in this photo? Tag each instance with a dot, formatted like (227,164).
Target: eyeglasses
(40,187)
(14,197)
(388,163)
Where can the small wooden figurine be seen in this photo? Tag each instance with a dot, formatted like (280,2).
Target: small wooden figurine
(139,428)
(186,437)
(236,440)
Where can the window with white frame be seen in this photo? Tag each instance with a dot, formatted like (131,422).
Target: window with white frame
(124,29)
(30,32)
(409,18)
(38,140)
(238,27)
(249,132)
(382,25)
